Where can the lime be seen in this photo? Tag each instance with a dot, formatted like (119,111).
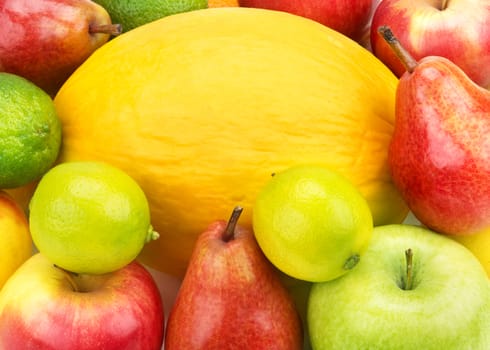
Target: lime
(134,13)
(312,223)
(30,131)
(89,217)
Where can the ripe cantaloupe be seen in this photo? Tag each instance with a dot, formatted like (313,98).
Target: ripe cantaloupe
(202,107)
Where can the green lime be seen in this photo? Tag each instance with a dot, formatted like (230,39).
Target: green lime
(30,131)
(312,223)
(134,13)
(89,217)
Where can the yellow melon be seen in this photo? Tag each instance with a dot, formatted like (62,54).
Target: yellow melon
(202,107)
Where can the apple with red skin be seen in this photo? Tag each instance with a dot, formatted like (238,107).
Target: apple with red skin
(349,17)
(43,307)
(457,30)
(44,41)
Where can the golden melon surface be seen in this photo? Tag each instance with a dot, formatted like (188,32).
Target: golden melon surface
(202,107)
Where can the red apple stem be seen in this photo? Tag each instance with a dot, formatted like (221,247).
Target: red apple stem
(229,233)
(444,4)
(409,271)
(69,277)
(111,29)
(405,57)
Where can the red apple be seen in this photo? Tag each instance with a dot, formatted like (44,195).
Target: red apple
(349,17)
(46,40)
(43,307)
(457,30)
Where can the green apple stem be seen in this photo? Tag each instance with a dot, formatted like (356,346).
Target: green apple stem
(409,271)
(69,277)
(111,29)
(405,57)
(229,233)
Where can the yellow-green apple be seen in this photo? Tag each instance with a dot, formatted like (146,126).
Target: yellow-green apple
(231,296)
(439,150)
(349,17)
(46,40)
(412,289)
(456,29)
(15,239)
(43,307)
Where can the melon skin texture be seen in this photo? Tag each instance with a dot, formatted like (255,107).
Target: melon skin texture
(201,108)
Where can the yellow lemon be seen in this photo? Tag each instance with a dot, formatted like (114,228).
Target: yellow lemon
(312,223)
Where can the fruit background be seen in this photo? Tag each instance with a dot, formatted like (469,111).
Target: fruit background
(244,174)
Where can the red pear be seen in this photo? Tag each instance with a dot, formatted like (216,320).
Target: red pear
(440,149)
(231,297)
(44,41)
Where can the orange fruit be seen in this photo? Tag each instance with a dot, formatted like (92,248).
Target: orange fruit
(222,3)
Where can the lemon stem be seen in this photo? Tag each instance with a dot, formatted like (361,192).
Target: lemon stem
(151,234)
(229,233)
(69,277)
(111,29)
(409,270)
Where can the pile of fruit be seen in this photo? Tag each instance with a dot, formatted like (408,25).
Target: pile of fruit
(314,175)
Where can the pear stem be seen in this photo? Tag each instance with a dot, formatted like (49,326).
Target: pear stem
(69,277)
(111,29)
(229,233)
(409,271)
(407,60)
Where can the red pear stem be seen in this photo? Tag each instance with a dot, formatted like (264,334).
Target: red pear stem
(111,29)
(229,233)
(408,61)
(409,259)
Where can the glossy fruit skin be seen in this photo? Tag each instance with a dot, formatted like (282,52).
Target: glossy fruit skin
(370,309)
(30,131)
(15,239)
(258,100)
(349,17)
(439,153)
(424,29)
(312,223)
(89,217)
(39,310)
(45,41)
(232,298)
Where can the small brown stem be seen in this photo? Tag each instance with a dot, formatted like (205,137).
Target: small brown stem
(444,4)
(409,271)
(405,57)
(111,29)
(69,277)
(230,227)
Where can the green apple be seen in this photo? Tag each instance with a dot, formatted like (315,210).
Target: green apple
(437,297)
